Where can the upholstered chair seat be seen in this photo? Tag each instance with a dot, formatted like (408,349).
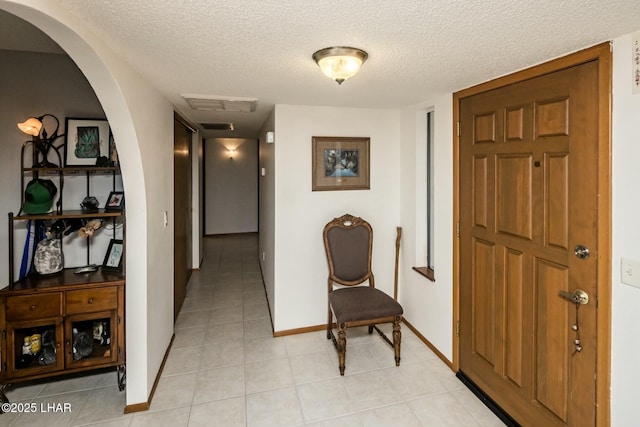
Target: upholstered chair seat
(362,303)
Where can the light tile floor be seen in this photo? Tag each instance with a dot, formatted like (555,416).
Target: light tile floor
(225,369)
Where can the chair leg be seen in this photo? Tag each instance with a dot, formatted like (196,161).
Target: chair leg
(329,319)
(397,338)
(342,346)
(371,329)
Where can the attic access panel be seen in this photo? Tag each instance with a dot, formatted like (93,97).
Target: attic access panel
(221,103)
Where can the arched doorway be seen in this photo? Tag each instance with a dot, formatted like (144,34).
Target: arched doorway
(119,89)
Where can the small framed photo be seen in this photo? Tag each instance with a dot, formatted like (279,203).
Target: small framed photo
(85,141)
(113,257)
(115,201)
(340,163)
(113,152)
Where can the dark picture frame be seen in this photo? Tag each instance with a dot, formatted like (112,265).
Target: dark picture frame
(113,151)
(115,201)
(340,163)
(85,141)
(113,257)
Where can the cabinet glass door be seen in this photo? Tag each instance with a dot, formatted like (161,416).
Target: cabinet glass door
(34,347)
(90,339)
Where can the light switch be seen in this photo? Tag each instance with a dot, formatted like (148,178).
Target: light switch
(630,272)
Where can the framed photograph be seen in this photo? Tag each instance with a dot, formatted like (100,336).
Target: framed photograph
(113,152)
(115,201)
(113,257)
(340,163)
(85,141)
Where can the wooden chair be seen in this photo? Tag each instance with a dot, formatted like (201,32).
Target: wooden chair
(348,242)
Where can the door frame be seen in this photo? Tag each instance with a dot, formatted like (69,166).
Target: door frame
(601,53)
(190,129)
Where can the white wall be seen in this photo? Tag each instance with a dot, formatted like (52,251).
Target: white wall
(301,268)
(267,208)
(59,89)
(231,186)
(142,123)
(625,345)
(428,305)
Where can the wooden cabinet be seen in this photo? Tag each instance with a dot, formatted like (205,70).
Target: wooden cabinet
(68,321)
(75,320)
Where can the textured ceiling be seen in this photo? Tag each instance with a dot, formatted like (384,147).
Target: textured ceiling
(262,48)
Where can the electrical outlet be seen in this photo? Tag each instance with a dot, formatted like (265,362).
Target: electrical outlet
(630,272)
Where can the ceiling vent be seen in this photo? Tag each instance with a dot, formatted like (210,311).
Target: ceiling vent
(217,126)
(221,103)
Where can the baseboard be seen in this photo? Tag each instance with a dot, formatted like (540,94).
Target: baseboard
(137,407)
(144,406)
(240,233)
(323,327)
(300,330)
(428,344)
(489,403)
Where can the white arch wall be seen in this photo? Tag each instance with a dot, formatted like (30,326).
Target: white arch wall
(142,123)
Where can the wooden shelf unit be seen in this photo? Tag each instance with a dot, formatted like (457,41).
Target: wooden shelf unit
(62,305)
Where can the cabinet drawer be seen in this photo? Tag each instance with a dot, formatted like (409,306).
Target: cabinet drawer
(31,307)
(88,300)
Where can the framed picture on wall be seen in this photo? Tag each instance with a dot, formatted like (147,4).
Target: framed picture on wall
(85,141)
(339,163)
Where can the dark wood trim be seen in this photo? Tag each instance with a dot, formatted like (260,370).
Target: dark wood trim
(426,272)
(139,407)
(300,330)
(244,233)
(266,296)
(455,234)
(188,124)
(182,210)
(603,320)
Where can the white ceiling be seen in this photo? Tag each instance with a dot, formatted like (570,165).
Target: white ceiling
(417,48)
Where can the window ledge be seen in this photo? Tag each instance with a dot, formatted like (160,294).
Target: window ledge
(426,272)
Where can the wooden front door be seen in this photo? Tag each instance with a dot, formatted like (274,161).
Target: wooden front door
(528,197)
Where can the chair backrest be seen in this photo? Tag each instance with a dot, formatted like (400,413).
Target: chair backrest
(348,243)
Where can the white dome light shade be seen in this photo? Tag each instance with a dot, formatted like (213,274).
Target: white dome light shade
(340,63)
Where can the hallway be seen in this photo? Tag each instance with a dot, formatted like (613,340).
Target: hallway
(225,369)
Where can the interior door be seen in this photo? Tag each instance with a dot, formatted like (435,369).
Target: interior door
(528,207)
(182,212)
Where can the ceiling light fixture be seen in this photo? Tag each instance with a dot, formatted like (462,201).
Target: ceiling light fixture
(340,62)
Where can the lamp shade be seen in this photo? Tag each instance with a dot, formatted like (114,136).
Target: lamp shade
(341,62)
(31,126)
